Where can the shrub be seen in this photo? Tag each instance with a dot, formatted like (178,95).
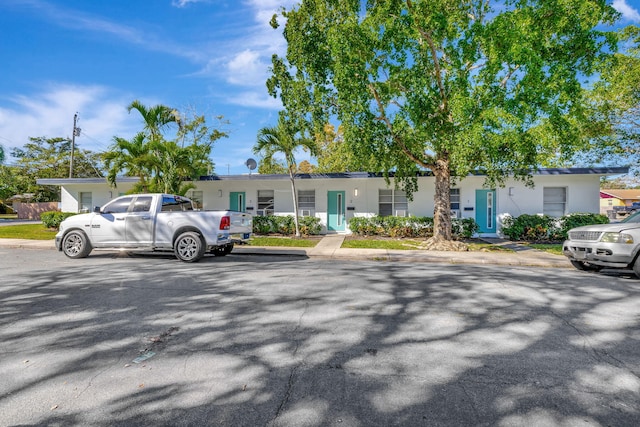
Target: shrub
(53,219)
(309,225)
(534,228)
(574,220)
(464,228)
(393,226)
(263,225)
(286,225)
(527,227)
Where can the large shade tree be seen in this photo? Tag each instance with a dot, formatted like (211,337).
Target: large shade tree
(44,157)
(284,139)
(615,103)
(446,86)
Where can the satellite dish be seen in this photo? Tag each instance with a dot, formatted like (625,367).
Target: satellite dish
(251,164)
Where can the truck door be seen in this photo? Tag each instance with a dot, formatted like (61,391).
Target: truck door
(139,222)
(108,227)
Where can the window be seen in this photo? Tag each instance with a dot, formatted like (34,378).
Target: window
(196,197)
(554,201)
(307,202)
(118,206)
(265,202)
(392,202)
(85,202)
(142,204)
(454,199)
(176,203)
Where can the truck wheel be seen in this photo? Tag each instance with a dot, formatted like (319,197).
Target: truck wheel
(585,266)
(189,247)
(75,244)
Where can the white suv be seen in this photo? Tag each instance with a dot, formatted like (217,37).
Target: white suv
(614,245)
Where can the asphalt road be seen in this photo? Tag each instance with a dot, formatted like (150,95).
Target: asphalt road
(280,341)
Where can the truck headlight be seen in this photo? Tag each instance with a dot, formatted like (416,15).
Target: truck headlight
(616,238)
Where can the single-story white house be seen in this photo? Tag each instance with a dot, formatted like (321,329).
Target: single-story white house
(337,197)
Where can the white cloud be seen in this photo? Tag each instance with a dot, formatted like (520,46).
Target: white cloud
(259,99)
(247,69)
(628,12)
(50,115)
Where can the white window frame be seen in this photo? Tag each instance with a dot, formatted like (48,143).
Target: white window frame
(306,202)
(395,202)
(266,202)
(554,201)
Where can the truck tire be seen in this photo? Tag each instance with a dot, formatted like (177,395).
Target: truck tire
(223,250)
(189,247)
(636,267)
(75,244)
(585,266)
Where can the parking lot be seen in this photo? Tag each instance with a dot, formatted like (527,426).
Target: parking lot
(247,340)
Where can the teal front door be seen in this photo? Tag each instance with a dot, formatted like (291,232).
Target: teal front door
(486,210)
(336,211)
(236,201)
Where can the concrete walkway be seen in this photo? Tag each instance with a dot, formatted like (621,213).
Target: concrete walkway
(330,247)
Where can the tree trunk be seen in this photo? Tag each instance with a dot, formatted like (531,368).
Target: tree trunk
(295,203)
(442,238)
(442,202)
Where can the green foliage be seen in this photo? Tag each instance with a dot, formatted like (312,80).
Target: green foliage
(542,228)
(310,225)
(45,158)
(162,164)
(284,224)
(453,87)
(577,220)
(53,219)
(285,138)
(403,227)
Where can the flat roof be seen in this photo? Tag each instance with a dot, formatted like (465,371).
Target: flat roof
(620,170)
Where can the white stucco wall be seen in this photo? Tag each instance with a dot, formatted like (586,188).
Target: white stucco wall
(361,194)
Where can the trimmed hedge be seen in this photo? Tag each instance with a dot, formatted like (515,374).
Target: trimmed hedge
(394,226)
(308,225)
(53,219)
(540,228)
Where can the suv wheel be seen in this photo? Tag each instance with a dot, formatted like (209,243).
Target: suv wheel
(585,266)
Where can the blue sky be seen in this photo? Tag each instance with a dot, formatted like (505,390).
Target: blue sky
(95,57)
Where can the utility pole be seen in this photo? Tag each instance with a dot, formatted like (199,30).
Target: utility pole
(76,132)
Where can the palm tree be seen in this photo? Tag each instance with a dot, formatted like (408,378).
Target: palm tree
(132,156)
(156,118)
(282,139)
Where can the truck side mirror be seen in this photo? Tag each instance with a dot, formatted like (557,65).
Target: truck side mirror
(96,209)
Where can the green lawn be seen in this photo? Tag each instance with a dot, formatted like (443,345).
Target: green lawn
(552,248)
(283,241)
(26,231)
(392,244)
(39,232)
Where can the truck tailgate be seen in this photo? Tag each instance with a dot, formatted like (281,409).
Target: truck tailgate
(241,225)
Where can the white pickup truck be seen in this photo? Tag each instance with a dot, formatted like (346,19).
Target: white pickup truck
(154,222)
(614,245)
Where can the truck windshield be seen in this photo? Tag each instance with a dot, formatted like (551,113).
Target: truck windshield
(635,218)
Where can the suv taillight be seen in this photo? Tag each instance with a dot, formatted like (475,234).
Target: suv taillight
(225,223)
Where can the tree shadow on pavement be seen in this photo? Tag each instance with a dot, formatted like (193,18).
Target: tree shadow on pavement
(317,343)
